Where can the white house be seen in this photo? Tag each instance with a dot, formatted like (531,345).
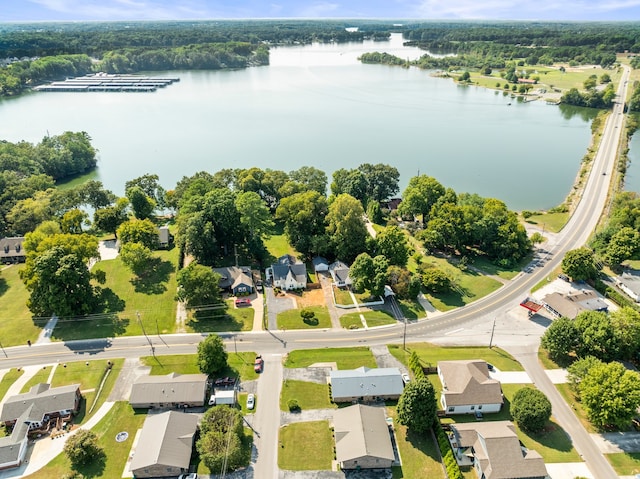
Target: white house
(629,283)
(467,387)
(340,274)
(288,273)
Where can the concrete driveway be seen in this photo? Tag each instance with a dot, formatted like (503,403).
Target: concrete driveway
(276,305)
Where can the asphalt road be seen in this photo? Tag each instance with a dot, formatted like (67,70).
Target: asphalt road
(475,315)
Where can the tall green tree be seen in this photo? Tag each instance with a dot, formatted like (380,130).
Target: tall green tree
(73,220)
(143,206)
(83,448)
(626,329)
(419,196)
(351,182)
(578,370)
(150,186)
(221,440)
(254,214)
(198,285)
(417,406)
(623,245)
(611,394)
(110,218)
(346,227)
(369,273)
(580,264)
(382,180)
(560,339)
(137,257)
(312,178)
(303,215)
(597,336)
(392,243)
(139,231)
(531,409)
(212,357)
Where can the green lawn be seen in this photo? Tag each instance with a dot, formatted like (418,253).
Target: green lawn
(578,410)
(291,319)
(42,376)
(373,319)
(121,418)
(309,395)
(488,267)
(625,464)
(430,354)
(346,358)
(17,325)
(132,303)
(342,296)
(277,244)
(419,453)
(545,360)
(411,309)
(239,365)
(89,377)
(230,319)
(553,222)
(8,379)
(306,446)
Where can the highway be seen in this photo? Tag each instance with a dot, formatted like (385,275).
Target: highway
(475,316)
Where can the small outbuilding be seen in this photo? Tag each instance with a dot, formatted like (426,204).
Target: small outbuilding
(226,396)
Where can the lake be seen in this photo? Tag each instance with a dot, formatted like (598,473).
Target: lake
(317,105)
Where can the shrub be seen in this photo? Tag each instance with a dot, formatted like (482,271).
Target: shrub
(293,405)
(531,409)
(82,448)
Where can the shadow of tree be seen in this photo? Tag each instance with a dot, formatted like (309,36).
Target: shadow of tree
(213,321)
(553,437)
(154,279)
(95,468)
(110,301)
(104,326)
(4,286)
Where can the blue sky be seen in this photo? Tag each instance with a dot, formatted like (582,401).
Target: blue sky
(63,10)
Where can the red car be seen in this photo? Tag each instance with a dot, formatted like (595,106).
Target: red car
(258,364)
(243,302)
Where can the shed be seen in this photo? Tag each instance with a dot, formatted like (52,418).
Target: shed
(226,396)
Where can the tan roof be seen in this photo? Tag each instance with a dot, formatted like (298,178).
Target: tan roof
(572,304)
(166,439)
(497,448)
(468,382)
(361,431)
(172,388)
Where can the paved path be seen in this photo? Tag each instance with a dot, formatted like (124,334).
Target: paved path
(327,285)
(384,359)
(47,331)
(258,316)
(306,415)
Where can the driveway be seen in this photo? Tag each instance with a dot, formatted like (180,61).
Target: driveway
(614,442)
(276,305)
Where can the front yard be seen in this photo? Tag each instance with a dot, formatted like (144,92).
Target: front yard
(346,358)
(306,446)
(308,395)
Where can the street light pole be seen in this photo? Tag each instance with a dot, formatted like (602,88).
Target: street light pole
(493,328)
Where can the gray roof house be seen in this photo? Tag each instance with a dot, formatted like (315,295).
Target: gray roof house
(172,390)
(165,445)
(320,263)
(365,384)
(467,387)
(340,274)
(164,237)
(237,279)
(42,403)
(14,447)
(495,451)
(363,439)
(288,273)
(629,283)
(572,304)
(11,250)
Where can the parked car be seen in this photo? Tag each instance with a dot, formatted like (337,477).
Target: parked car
(490,367)
(212,400)
(564,277)
(259,286)
(406,379)
(243,302)
(193,475)
(251,401)
(258,364)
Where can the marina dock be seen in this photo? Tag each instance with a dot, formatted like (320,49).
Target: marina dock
(110,83)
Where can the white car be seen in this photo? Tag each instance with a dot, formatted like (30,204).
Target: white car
(405,378)
(212,400)
(193,475)
(251,401)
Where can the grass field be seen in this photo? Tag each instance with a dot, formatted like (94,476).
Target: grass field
(306,446)
(419,453)
(229,319)
(373,319)
(238,365)
(430,354)
(8,379)
(411,309)
(291,319)
(578,410)
(487,267)
(42,376)
(121,418)
(346,358)
(625,464)
(309,395)
(277,245)
(133,303)
(342,296)
(553,222)
(17,323)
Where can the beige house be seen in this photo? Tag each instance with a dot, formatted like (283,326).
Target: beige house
(572,304)
(467,387)
(165,445)
(172,390)
(494,450)
(363,439)
(365,384)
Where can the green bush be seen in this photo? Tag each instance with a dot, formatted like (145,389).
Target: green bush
(293,405)
(453,470)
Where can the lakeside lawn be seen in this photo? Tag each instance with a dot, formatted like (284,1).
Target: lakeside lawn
(430,354)
(306,446)
(308,394)
(345,358)
(291,319)
(121,418)
(373,319)
(553,222)
(238,365)
(133,303)
(17,323)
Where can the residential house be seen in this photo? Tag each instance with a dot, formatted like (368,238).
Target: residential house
(320,264)
(340,274)
(43,404)
(172,390)
(467,387)
(629,283)
(165,445)
(572,304)
(494,450)
(238,280)
(11,250)
(164,237)
(288,273)
(365,384)
(14,446)
(363,439)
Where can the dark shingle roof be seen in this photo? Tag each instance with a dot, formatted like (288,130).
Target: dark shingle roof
(44,399)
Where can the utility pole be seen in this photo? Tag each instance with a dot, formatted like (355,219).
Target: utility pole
(153,350)
(493,328)
(5,353)
(404,334)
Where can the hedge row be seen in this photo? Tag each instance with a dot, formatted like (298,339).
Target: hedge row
(416,366)
(453,470)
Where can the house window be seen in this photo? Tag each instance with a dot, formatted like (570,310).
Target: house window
(452,408)
(480,406)
(473,407)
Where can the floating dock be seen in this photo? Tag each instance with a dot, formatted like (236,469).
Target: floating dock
(108,82)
